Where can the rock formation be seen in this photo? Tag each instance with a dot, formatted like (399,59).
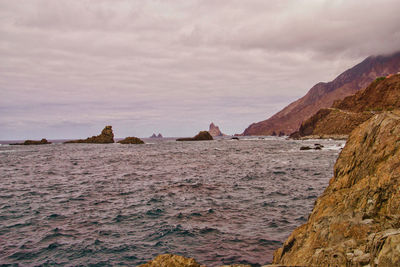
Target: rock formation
(345,115)
(201,136)
(169,260)
(33,142)
(106,136)
(215,131)
(156,136)
(131,140)
(322,95)
(356,221)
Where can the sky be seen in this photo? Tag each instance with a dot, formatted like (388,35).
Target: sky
(68,68)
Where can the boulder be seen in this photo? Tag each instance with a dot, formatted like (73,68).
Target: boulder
(131,140)
(106,137)
(201,136)
(33,142)
(356,221)
(169,260)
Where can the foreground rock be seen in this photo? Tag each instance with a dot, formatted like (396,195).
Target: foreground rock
(33,142)
(131,140)
(356,221)
(201,136)
(381,95)
(106,137)
(215,131)
(169,260)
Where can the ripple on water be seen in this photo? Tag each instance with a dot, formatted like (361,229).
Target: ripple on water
(220,202)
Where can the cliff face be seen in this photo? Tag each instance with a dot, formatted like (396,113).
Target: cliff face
(214,130)
(345,115)
(322,95)
(106,136)
(356,221)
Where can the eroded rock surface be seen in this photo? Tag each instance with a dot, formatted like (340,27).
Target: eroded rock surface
(356,221)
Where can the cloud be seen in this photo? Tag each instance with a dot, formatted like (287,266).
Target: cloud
(175,65)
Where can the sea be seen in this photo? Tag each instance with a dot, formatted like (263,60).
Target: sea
(221,202)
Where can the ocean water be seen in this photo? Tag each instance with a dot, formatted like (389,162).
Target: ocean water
(221,202)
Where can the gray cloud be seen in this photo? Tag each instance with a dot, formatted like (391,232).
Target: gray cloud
(174,66)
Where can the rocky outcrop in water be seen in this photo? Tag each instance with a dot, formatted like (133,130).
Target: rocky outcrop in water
(201,136)
(106,137)
(382,94)
(215,131)
(322,95)
(356,221)
(156,136)
(33,142)
(131,140)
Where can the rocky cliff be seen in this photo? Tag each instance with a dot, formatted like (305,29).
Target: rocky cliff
(345,115)
(356,221)
(215,131)
(322,95)
(106,136)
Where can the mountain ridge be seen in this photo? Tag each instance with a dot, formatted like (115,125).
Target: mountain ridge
(323,94)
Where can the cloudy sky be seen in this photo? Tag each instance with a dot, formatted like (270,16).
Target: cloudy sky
(68,68)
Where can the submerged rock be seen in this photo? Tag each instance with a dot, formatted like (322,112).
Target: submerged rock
(33,142)
(356,221)
(201,136)
(106,137)
(169,260)
(131,140)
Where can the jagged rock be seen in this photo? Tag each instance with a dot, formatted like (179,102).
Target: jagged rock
(131,140)
(33,142)
(356,221)
(106,136)
(345,115)
(156,136)
(169,260)
(215,131)
(201,136)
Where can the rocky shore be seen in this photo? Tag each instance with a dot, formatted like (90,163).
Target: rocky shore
(356,220)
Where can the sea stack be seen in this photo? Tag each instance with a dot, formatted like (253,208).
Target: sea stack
(356,221)
(201,136)
(215,131)
(156,136)
(106,137)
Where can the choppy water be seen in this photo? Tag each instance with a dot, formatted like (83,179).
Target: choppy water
(221,202)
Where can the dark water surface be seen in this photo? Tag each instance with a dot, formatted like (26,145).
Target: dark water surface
(221,202)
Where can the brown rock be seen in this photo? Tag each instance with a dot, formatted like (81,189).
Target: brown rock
(33,142)
(215,131)
(169,260)
(322,95)
(201,136)
(356,221)
(106,136)
(131,140)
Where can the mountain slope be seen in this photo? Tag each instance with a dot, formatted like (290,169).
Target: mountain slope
(322,95)
(345,115)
